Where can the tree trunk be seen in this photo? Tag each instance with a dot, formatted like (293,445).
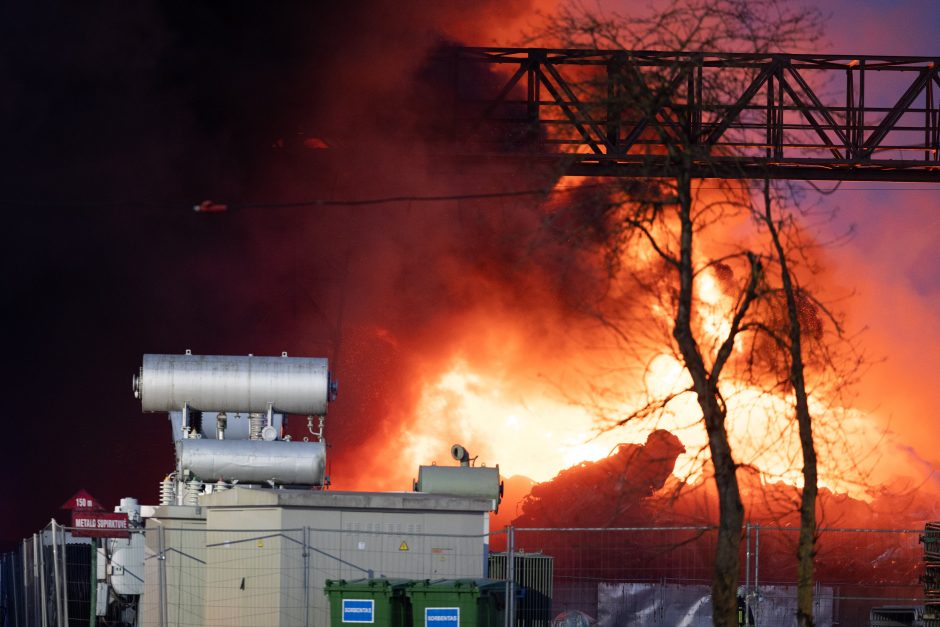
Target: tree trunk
(731,517)
(806,548)
(730,509)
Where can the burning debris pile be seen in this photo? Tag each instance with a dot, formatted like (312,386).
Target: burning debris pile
(611,492)
(635,487)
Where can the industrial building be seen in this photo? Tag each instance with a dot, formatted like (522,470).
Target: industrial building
(218,569)
(245,532)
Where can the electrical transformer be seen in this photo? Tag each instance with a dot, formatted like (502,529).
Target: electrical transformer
(228,416)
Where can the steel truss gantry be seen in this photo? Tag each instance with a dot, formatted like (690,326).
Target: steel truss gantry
(725,115)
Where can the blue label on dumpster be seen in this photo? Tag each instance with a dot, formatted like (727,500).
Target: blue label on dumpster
(358,611)
(442,617)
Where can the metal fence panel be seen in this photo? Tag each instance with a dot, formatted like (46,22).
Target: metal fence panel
(586,558)
(654,604)
(630,576)
(78,581)
(654,576)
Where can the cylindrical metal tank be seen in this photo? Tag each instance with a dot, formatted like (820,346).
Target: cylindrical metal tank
(254,461)
(479,481)
(292,385)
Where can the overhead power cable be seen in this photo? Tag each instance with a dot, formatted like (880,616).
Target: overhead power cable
(323,202)
(412,198)
(208,206)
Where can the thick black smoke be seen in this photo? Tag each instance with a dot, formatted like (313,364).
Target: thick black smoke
(118,118)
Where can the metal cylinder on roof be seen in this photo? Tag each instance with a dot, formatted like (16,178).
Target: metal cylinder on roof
(254,461)
(291,385)
(472,481)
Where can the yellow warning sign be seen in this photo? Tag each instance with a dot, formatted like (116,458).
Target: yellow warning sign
(403,546)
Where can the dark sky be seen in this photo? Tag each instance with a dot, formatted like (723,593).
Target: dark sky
(118,117)
(114,119)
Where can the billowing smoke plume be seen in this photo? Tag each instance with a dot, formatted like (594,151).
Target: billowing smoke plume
(124,120)
(118,120)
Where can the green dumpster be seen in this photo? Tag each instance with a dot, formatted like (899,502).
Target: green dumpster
(379,602)
(458,603)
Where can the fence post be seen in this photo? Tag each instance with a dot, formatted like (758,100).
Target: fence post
(93,598)
(662,601)
(757,568)
(747,575)
(510,576)
(55,576)
(161,568)
(65,577)
(306,556)
(21,620)
(42,578)
(24,606)
(37,583)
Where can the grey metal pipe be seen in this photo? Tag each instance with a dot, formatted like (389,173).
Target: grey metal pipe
(237,426)
(254,461)
(291,385)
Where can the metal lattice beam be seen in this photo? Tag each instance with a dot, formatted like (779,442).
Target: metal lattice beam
(637,113)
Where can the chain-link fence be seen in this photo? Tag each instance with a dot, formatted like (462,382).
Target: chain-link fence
(47,580)
(193,575)
(662,575)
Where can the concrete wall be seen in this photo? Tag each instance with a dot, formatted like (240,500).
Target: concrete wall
(254,568)
(183,531)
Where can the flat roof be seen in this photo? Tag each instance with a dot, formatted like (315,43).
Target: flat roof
(239,497)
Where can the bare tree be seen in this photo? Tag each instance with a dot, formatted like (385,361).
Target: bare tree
(791,342)
(670,227)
